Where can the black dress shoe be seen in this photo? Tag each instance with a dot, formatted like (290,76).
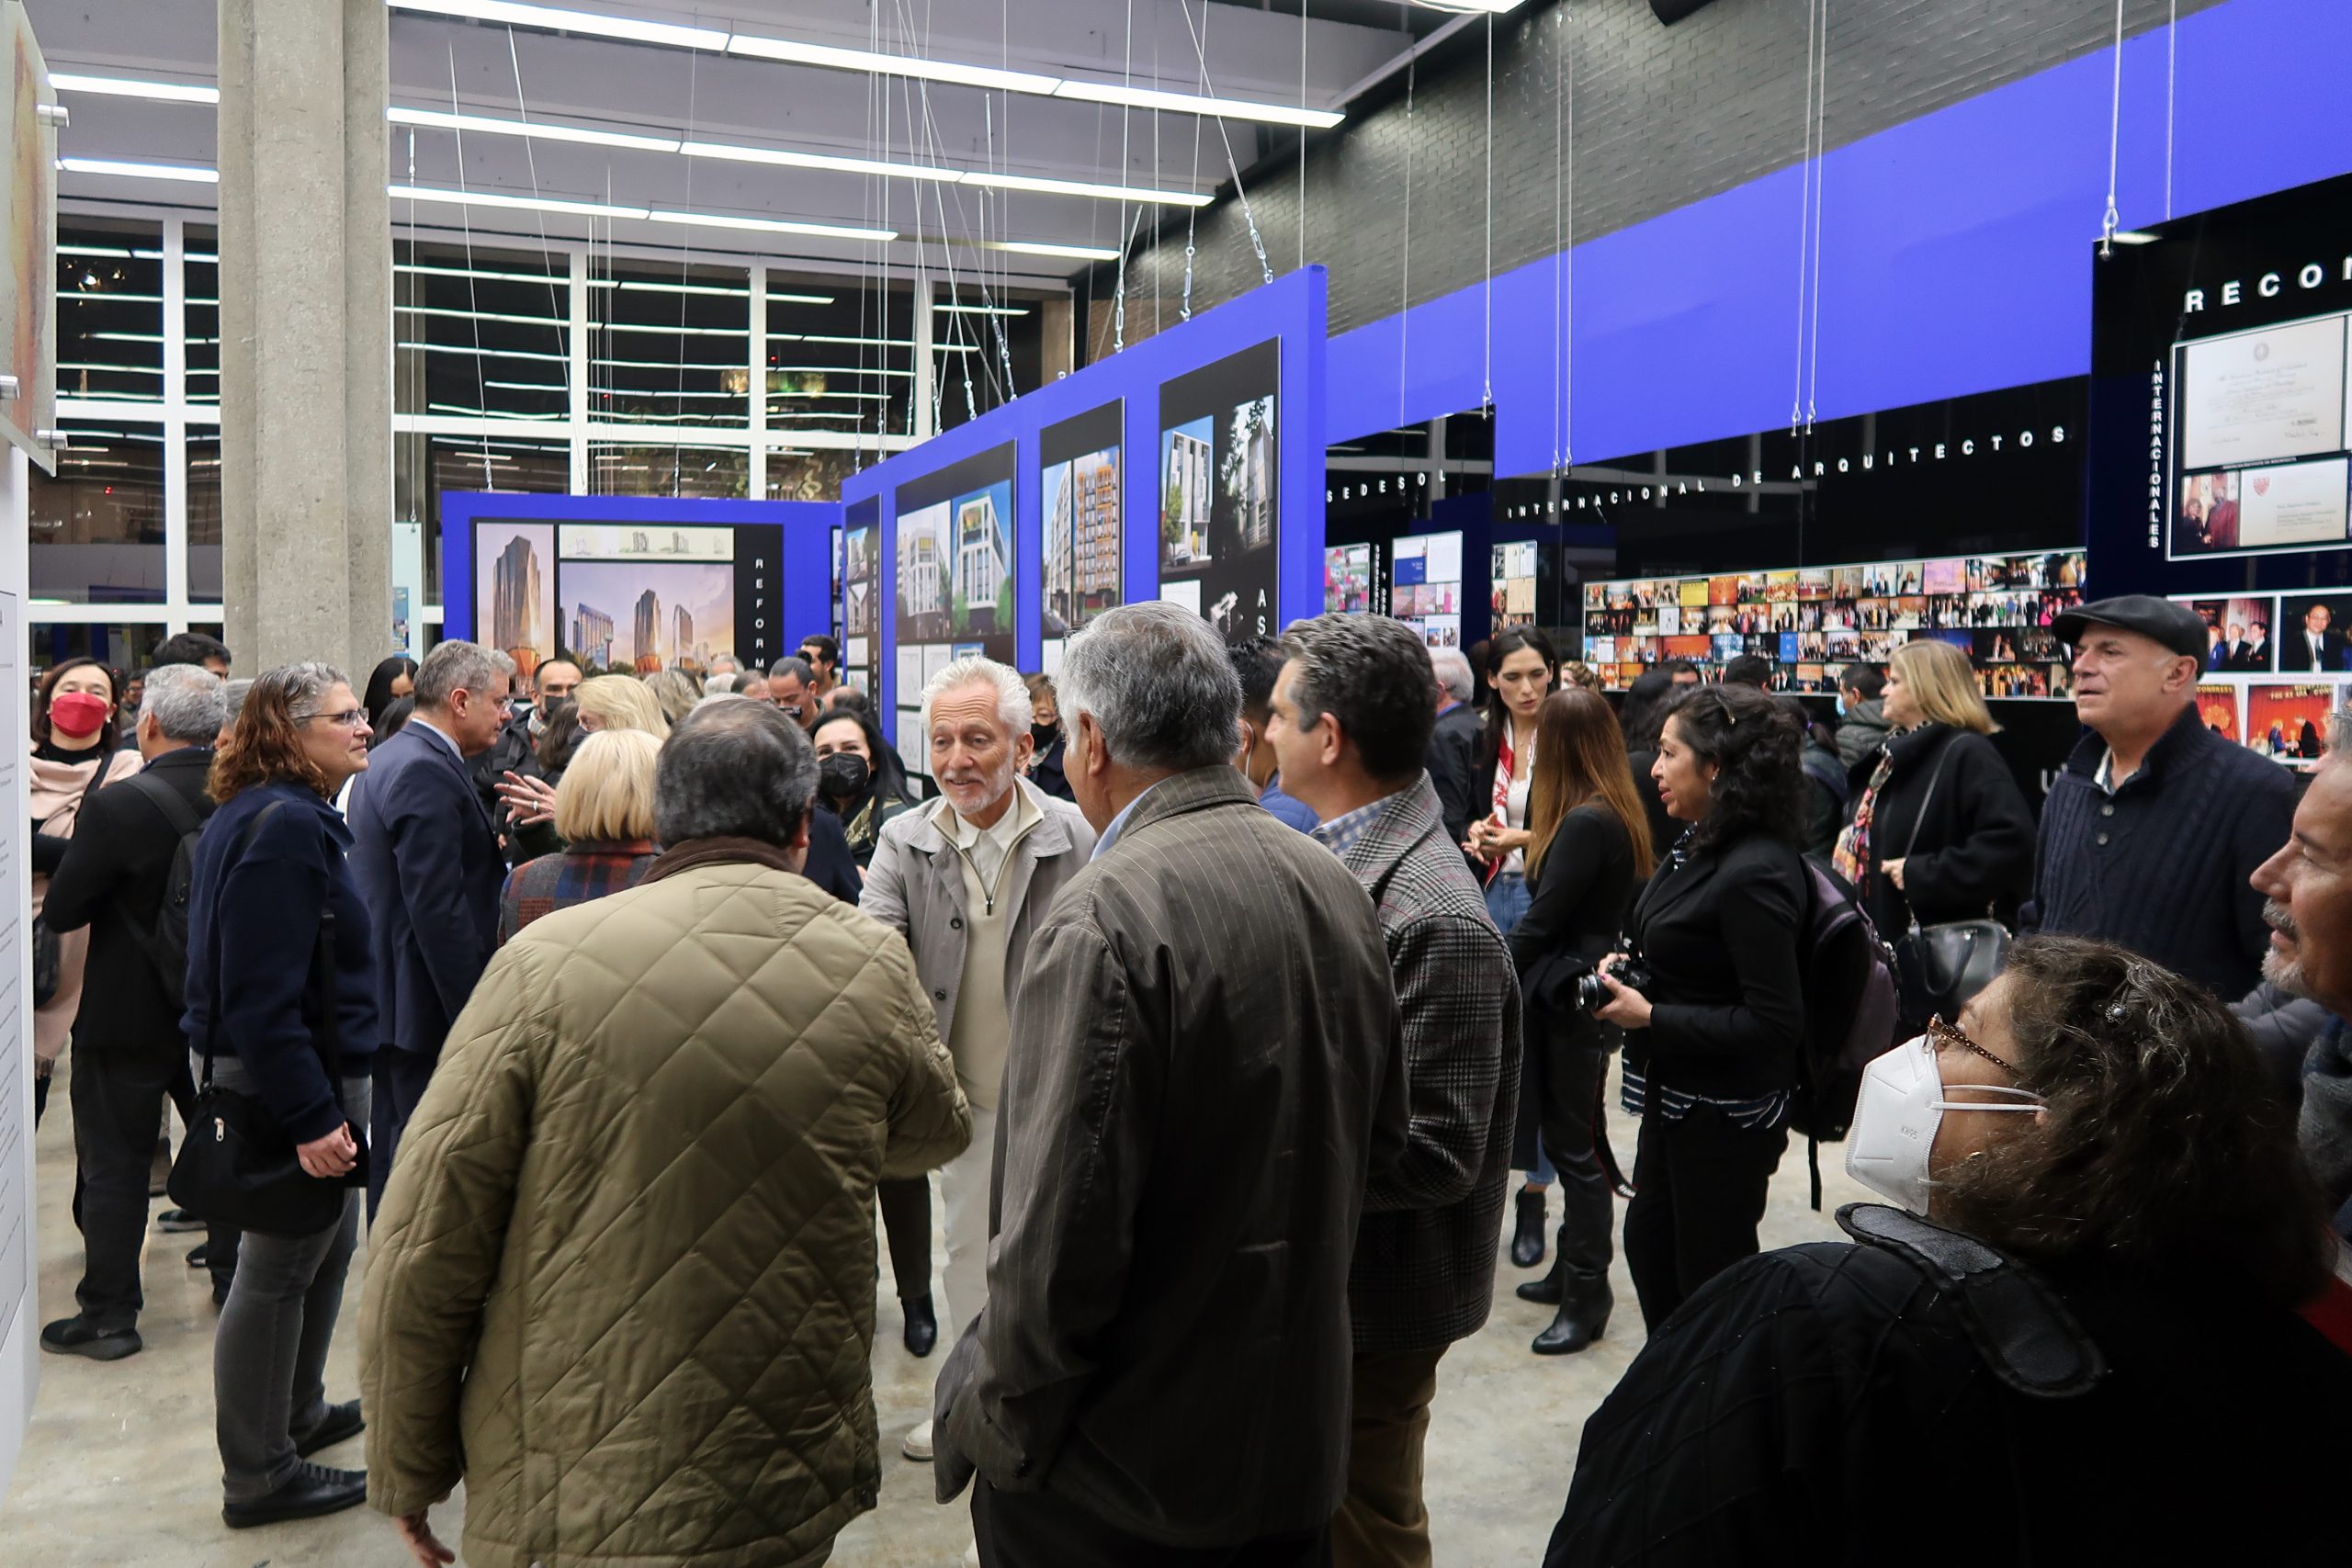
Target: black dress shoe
(311,1491)
(923,1324)
(172,1222)
(77,1335)
(1527,1239)
(342,1422)
(1584,1304)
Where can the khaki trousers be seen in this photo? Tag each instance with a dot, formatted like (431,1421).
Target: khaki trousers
(1380,1522)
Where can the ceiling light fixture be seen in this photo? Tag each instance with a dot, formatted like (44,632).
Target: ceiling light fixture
(769,225)
(548,19)
(1038,248)
(817,160)
(131,88)
(492,125)
(512,203)
(1193,102)
(136,171)
(792,52)
(1086,188)
(980,309)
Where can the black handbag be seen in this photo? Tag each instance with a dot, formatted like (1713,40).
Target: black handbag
(1940,967)
(238,1164)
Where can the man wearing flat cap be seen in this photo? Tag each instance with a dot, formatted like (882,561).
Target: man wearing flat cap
(2153,826)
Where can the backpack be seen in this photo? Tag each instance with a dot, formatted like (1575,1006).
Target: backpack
(1849,1012)
(167,942)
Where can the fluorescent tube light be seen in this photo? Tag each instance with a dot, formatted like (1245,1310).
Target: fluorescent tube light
(1037,248)
(1085,188)
(493,125)
(980,309)
(816,161)
(550,19)
(140,171)
(128,87)
(767,225)
(794,53)
(512,203)
(1193,103)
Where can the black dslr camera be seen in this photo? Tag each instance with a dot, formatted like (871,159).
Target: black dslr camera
(1629,972)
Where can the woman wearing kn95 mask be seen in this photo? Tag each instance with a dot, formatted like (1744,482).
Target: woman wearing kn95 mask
(2105,1323)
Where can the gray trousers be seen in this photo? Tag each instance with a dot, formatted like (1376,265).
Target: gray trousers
(269,1355)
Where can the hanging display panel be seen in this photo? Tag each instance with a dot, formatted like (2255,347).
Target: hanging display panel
(1424,586)
(953,560)
(1220,466)
(1083,550)
(861,594)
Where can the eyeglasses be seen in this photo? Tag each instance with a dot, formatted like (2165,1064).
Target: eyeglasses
(1941,1033)
(349,718)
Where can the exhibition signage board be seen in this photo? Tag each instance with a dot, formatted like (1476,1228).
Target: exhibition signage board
(27,242)
(1163,471)
(633,584)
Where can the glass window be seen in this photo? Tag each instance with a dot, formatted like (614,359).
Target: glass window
(989,351)
(799,474)
(204,519)
(424,465)
(840,356)
(687,473)
(110,311)
(95,529)
(123,645)
(200,269)
(669,345)
(480,334)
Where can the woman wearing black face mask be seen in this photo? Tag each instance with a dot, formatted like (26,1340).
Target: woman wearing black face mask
(1045,730)
(859,779)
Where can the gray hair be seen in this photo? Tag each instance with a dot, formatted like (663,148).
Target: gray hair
(305,686)
(1159,686)
(726,659)
(734,769)
(1013,708)
(1372,674)
(185,702)
(721,684)
(459,666)
(232,695)
(792,664)
(1452,667)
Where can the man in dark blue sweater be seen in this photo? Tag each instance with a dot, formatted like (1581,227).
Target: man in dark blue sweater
(2151,831)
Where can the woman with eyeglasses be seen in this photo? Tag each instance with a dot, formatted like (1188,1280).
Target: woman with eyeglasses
(280,988)
(2095,1321)
(1713,1031)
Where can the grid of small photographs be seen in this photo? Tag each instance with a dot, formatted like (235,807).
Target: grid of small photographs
(1813,622)
(2276,666)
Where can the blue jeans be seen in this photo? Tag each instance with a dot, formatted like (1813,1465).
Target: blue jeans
(1507,901)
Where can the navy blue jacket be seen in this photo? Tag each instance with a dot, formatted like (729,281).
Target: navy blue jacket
(256,907)
(424,855)
(2161,868)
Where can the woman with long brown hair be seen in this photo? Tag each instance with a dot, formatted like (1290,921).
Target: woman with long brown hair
(1588,846)
(281,992)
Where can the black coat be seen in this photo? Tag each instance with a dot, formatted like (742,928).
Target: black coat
(111,880)
(1664,828)
(1452,763)
(1825,1405)
(1047,773)
(830,865)
(1576,909)
(1975,850)
(1719,934)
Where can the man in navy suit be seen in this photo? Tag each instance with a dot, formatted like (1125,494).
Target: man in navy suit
(427,860)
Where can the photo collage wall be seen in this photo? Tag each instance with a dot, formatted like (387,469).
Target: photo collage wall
(1814,621)
(1220,468)
(1348,573)
(1425,592)
(2264,441)
(2276,666)
(1512,585)
(1084,542)
(954,580)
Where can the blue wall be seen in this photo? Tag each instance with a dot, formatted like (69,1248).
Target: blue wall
(1956,255)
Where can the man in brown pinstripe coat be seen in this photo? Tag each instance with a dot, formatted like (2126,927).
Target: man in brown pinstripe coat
(1206,1068)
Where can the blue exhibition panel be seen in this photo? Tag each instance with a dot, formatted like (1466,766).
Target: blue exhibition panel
(758,574)
(1207,475)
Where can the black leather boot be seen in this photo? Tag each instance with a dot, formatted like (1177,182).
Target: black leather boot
(1546,1291)
(1583,1310)
(1527,1239)
(923,1324)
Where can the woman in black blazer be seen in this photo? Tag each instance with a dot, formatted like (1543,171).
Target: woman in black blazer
(1712,1037)
(1938,830)
(1589,844)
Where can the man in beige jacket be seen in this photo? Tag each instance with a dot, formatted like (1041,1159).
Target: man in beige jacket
(966,879)
(622,1281)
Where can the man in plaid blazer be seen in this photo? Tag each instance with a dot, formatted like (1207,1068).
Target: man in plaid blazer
(1351,720)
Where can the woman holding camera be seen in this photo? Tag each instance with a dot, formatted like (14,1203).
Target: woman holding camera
(1714,1027)
(1588,845)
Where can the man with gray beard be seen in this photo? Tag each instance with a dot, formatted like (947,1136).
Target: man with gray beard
(2308,888)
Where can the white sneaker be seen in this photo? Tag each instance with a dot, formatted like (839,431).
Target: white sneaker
(916,1445)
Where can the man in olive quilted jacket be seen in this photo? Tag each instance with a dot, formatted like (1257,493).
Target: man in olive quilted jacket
(622,1283)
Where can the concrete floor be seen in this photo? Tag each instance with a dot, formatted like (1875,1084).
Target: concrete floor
(119,1467)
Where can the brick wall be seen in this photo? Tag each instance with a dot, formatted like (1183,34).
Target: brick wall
(1664,117)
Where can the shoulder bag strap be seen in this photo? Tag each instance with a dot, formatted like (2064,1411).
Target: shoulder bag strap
(1935,777)
(212,940)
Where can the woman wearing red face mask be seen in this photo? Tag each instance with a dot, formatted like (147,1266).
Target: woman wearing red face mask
(72,754)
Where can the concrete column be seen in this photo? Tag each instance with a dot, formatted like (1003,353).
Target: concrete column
(305,332)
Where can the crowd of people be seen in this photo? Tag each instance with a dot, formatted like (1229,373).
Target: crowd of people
(1222,990)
